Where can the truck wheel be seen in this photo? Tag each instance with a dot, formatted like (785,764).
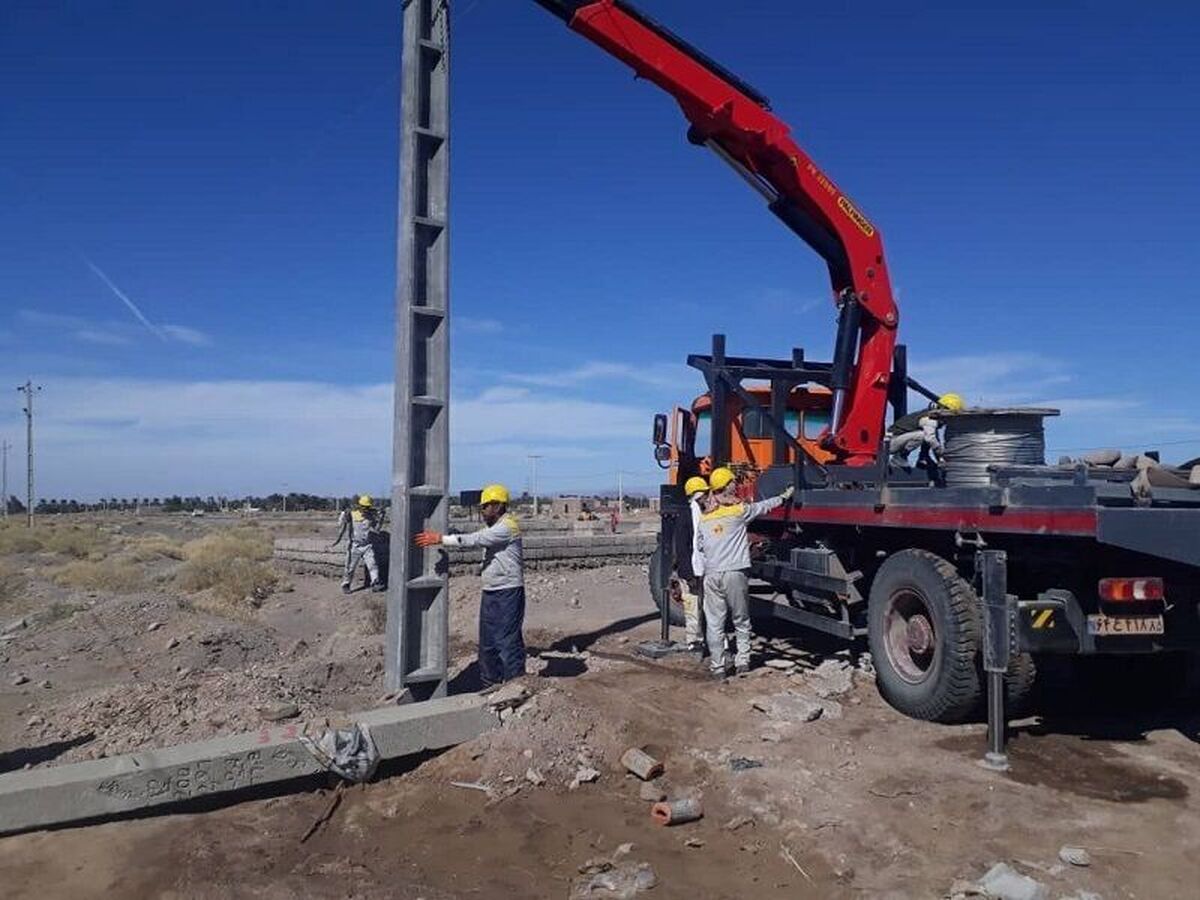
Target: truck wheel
(924,629)
(1022,677)
(675,613)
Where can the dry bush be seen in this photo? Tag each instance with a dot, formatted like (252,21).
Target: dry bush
(232,564)
(12,582)
(76,541)
(18,539)
(154,546)
(117,575)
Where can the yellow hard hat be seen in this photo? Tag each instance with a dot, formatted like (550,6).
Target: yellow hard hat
(365,501)
(695,485)
(953,402)
(721,478)
(493,493)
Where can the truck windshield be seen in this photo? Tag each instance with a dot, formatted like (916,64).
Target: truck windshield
(702,443)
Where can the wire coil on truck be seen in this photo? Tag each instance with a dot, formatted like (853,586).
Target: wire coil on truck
(978,438)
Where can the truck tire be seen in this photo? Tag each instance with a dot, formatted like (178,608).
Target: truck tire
(675,612)
(924,628)
(1019,685)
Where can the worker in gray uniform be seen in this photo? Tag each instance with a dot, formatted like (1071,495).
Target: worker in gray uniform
(502,607)
(360,523)
(724,544)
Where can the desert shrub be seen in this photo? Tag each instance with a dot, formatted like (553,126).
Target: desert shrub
(116,575)
(16,538)
(152,547)
(76,541)
(232,564)
(12,582)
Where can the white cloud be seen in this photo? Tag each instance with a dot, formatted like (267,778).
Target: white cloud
(472,325)
(100,336)
(186,335)
(657,376)
(150,437)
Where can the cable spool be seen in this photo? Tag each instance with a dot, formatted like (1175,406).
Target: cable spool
(978,438)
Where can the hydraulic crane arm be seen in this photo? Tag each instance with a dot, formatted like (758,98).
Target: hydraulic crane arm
(735,121)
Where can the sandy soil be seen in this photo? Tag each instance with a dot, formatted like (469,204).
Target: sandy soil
(859,802)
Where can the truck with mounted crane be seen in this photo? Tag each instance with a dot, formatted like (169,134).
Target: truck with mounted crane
(1094,563)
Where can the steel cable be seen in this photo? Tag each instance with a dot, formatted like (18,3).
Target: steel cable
(974,442)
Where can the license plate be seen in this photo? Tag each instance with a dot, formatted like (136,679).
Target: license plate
(1110,626)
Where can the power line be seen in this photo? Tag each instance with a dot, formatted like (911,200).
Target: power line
(4,445)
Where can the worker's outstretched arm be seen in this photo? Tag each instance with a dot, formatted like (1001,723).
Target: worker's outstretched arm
(505,531)
(762,507)
(735,121)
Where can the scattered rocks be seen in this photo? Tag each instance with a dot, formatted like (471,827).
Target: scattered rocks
(694,842)
(584,775)
(508,696)
(622,881)
(19,679)
(45,683)
(278,712)
(173,643)
(34,721)
(738,822)
(534,777)
(154,626)
(789,706)
(651,792)
(1003,882)
(1075,856)
(780,663)
(14,626)
(742,764)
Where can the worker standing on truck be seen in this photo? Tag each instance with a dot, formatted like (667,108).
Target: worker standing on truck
(360,523)
(502,607)
(689,562)
(725,546)
(920,429)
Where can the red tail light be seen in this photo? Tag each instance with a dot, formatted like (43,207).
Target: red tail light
(1131,590)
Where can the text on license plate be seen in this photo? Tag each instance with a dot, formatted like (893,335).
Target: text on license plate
(1113,625)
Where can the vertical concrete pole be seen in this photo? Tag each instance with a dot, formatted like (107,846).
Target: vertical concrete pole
(418,590)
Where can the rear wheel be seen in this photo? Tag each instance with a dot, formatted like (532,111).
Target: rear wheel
(675,611)
(923,626)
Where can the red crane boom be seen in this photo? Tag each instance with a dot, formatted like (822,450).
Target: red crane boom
(734,120)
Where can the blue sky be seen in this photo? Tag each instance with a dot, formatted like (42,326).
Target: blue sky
(230,169)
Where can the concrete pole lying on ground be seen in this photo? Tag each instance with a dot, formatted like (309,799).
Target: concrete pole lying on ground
(418,605)
(39,798)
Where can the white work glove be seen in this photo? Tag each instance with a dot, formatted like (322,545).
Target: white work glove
(787,493)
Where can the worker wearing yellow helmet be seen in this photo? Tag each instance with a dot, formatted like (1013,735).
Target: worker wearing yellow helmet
(361,522)
(502,608)
(919,430)
(689,563)
(725,545)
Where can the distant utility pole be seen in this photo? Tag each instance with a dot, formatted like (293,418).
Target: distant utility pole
(533,459)
(29,389)
(620,493)
(4,445)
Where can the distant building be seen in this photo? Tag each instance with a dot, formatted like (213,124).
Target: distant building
(570,506)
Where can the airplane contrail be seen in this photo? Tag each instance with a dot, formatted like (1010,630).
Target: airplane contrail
(133,307)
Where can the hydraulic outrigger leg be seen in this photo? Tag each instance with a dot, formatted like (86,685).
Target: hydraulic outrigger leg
(997,651)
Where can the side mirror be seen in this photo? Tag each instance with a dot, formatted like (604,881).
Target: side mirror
(660,429)
(662,454)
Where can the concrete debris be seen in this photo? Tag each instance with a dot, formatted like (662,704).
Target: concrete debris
(1003,882)
(585,775)
(173,643)
(779,663)
(618,882)
(641,764)
(19,679)
(278,712)
(651,792)
(45,683)
(154,626)
(1075,856)
(791,707)
(694,842)
(14,626)
(534,777)
(508,696)
(831,678)
(677,812)
(738,822)
(965,890)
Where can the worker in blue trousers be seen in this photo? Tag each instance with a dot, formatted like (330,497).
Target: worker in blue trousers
(502,607)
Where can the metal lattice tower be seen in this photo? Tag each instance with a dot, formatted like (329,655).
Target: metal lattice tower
(418,593)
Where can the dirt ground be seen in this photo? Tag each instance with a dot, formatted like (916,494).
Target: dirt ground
(857,802)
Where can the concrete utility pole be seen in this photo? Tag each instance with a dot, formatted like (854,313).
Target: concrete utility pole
(620,493)
(29,389)
(417,640)
(533,459)
(4,445)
